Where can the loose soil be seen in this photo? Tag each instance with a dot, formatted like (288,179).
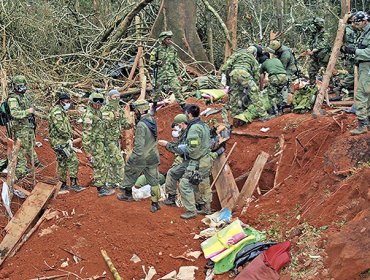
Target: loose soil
(320,202)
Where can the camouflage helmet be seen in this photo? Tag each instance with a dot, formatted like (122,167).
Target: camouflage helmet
(96,98)
(62,94)
(180,118)
(274,45)
(141,105)
(360,16)
(252,50)
(165,34)
(19,79)
(319,22)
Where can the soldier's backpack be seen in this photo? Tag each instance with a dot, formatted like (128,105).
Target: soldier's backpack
(5,115)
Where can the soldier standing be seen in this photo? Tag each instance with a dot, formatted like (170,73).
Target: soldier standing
(163,60)
(319,48)
(244,102)
(145,156)
(93,141)
(114,121)
(60,133)
(23,124)
(362,58)
(277,83)
(196,177)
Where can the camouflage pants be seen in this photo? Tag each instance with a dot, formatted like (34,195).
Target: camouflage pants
(99,165)
(65,164)
(362,98)
(27,138)
(174,174)
(189,192)
(315,65)
(166,84)
(133,172)
(245,101)
(349,80)
(275,91)
(115,163)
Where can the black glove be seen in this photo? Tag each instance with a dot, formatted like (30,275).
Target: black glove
(348,50)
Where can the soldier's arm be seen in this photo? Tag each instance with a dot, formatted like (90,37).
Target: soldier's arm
(15,109)
(193,141)
(285,59)
(139,143)
(87,127)
(153,57)
(61,125)
(363,51)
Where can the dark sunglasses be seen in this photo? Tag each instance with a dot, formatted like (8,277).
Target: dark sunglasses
(98,100)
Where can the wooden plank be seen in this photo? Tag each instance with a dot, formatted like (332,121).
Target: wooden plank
(252,181)
(226,187)
(24,218)
(57,189)
(12,164)
(282,147)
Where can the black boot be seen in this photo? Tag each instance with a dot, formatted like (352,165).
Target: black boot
(170,200)
(361,128)
(126,195)
(64,187)
(75,186)
(155,207)
(103,191)
(205,209)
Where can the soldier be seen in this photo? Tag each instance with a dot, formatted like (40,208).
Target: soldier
(350,38)
(93,141)
(163,60)
(244,102)
(145,156)
(196,148)
(177,170)
(60,133)
(362,58)
(23,124)
(319,48)
(286,56)
(276,89)
(114,121)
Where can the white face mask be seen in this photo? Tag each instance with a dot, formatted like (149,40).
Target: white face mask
(175,133)
(66,106)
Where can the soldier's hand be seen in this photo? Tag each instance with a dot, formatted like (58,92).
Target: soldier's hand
(90,158)
(348,50)
(162,143)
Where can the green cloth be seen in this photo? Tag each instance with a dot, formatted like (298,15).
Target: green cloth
(272,66)
(286,57)
(227,263)
(303,99)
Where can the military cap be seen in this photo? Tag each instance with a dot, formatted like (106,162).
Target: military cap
(274,45)
(360,16)
(96,98)
(19,79)
(141,105)
(252,50)
(180,118)
(165,34)
(112,92)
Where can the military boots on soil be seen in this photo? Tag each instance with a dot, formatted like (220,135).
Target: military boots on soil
(361,128)
(170,200)
(126,195)
(75,186)
(188,215)
(155,207)
(204,209)
(103,191)
(64,187)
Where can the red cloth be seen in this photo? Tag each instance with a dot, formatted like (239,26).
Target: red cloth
(267,264)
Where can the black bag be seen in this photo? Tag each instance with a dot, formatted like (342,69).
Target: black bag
(5,115)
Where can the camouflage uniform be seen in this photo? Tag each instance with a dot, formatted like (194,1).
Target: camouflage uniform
(142,181)
(93,141)
(277,82)
(23,129)
(285,55)
(197,149)
(318,42)
(350,39)
(60,133)
(145,157)
(245,102)
(167,72)
(114,120)
(362,98)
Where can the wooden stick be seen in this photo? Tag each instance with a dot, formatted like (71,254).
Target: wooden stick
(331,65)
(282,147)
(356,82)
(242,177)
(12,167)
(57,189)
(18,188)
(51,277)
(110,265)
(253,135)
(222,168)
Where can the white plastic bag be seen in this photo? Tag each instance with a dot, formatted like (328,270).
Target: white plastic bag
(141,193)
